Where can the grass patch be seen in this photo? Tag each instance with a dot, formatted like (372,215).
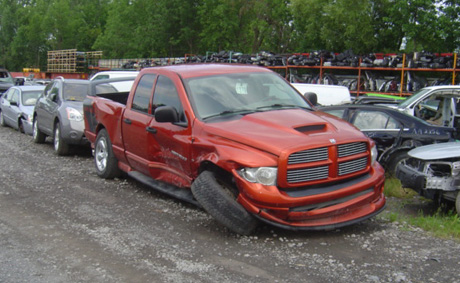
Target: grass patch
(393,188)
(442,223)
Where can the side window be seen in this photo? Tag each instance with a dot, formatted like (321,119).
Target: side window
(366,120)
(166,95)
(142,95)
(15,97)
(9,94)
(48,89)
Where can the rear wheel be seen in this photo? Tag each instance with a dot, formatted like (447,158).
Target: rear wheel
(219,200)
(104,159)
(37,135)
(60,147)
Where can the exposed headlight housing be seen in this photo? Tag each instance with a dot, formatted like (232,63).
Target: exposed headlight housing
(73,114)
(263,175)
(374,154)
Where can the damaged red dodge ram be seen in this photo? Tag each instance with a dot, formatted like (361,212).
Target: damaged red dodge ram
(238,141)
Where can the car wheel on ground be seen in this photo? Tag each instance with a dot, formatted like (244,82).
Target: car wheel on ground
(396,159)
(104,159)
(20,126)
(60,147)
(218,199)
(37,135)
(457,203)
(2,119)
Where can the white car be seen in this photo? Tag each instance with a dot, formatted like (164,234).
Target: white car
(120,86)
(433,171)
(326,94)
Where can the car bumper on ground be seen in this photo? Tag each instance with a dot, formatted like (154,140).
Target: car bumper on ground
(339,205)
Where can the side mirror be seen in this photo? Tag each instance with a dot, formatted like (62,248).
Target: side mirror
(312,97)
(166,114)
(13,103)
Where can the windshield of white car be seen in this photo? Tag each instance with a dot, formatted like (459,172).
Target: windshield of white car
(242,93)
(30,97)
(412,98)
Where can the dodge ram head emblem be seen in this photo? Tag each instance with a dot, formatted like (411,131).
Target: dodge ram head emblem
(333,141)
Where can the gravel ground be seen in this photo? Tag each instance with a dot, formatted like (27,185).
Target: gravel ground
(59,222)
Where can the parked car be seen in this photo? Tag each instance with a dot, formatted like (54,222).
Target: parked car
(238,141)
(17,107)
(439,105)
(6,80)
(58,113)
(433,171)
(326,94)
(393,131)
(121,86)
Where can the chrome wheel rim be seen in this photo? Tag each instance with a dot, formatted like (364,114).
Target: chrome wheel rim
(101,154)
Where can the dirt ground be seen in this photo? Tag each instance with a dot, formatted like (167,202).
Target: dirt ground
(59,222)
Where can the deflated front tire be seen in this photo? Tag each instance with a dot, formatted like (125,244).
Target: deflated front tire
(218,200)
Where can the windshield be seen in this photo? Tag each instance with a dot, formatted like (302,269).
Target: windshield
(241,93)
(30,97)
(412,98)
(75,92)
(5,77)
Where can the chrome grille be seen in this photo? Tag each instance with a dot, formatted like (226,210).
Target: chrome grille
(351,149)
(308,174)
(311,155)
(330,162)
(352,166)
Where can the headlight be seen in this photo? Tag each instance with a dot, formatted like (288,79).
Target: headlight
(455,168)
(263,175)
(374,154)
(74,114)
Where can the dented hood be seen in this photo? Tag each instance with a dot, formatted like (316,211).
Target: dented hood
(436,151)
(275,131)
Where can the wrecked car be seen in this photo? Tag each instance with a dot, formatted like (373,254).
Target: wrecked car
(394,132)
(433,171)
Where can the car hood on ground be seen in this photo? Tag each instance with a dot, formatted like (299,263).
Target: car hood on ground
(436,151)
(276,131)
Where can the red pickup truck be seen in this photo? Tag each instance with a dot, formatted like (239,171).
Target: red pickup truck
(238,141)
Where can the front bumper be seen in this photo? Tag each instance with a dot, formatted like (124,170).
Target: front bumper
(330,207)
(411,178)
(28,127)
(73,133)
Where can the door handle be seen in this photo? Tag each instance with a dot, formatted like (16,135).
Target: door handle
(151,130)
(127,121)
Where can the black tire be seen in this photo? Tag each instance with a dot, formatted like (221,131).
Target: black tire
(60,147)
(457,203)
(37,135)
(222,205)
(104,159)
(394,160)
(2,119)
(20,126)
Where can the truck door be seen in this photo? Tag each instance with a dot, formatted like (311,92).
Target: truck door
(135,121)
(172,151)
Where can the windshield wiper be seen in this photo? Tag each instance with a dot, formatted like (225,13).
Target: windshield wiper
(232,112)
(278,105)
